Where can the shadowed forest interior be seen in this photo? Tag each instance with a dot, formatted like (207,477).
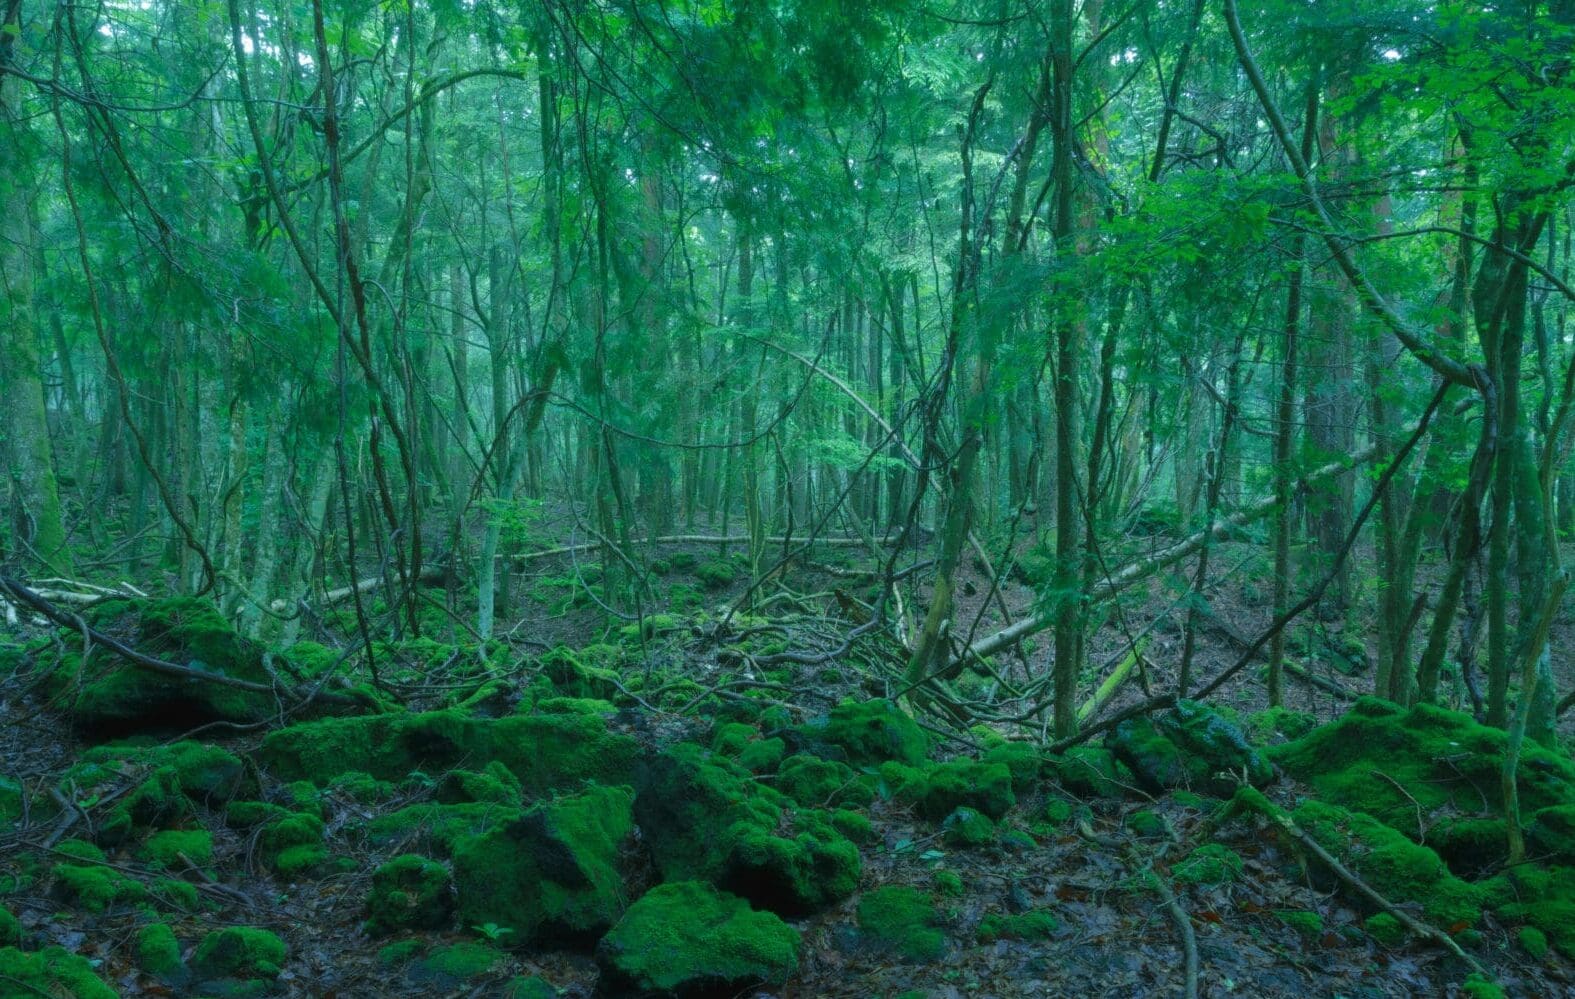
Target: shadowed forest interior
(690,498)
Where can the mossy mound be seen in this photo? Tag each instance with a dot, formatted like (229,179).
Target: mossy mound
(552,873)
(529,988)
(494,783)
(455,963)
(107,695)
(96,887)
(410,892)
(585,673)
(293,843)
(543,751)
(10,928)
(705,818)
(1035,925)
(437,829)
(1390,762)
(942,788)
(174,849)
(158,953)
(53,972)
(239,952)
(1190,746)
(1025,762)
(1209,864)
(1543,898)
(866,733)
(814,782)
(687,940)
(165,783)
(900,921)
(1395,867)
(968,828)
(1091,772)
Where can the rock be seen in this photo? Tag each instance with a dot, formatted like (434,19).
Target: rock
(705,818)
(552,873)
(1025,762)
(966,827)
(1191,746)
(410,892)
(986,787)
(53,972)
(688,941)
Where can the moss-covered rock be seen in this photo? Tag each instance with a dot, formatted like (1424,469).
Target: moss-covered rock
(966,827)
(10,928)
(457,962)
(1190,746)
(716,573)
(1551,834)
(239,952)
(687,940)
(1395,867)
(1263,726)
(544,752)
(900,921)
(1026,763)
(53,972)
(814,782)
(552,873)
(1148,824)
(1308,924)
(96,887)
(293,843)
(111,696)
(410,892)
(705,818)
(1091,772)
(493,783)
(529,987)
(1390,762)
(1035,925)
(762,755)
(172,849)
(867,733)
(158,953)
(1533,941)
(1542,897)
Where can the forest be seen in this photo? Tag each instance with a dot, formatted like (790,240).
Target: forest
(787,498)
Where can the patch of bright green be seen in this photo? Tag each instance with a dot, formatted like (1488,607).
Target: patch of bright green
(529,988)
(853,825)
(293,843)
(716,573)
(1264,725)
(1395,867)
(948,884)
(814,782)
(1057,811)
(1092,772)
(165,850)
(1385,929)
(1303,921)
(494,783)
(543,751)
(10,928)
(1035,925)
(1477,987)
(651,626)
(410,892)
(1544,897)
(686,938)
(1551,834)
(460,961)
(705,818)
(1188,746)
(398,952)
(1025,762)
(95,888)
(730,738)
(434,828)
(244,814)
(158,952)
(1209,864)
(239,952)
(177,893)
(53,972)
(1148,824)
(553,872)
(762,755)
(945,787)
(868,733)
(902,921)
(966,827)
(1533,941)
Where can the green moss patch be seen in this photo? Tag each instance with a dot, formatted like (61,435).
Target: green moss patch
(901,922)
(174,849)
(410,892)
(812,781)
(1035,925)
(96,888)
(705,818)
(434,828)
(53,972)
(158,953)
(543,752)
(1091,772)
(552,873)
(686,939)
(239,952)
(10,928)
(1209,864)
(1190,746)
(867,733)
(966,827)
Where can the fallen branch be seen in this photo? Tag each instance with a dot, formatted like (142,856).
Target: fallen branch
(430,574)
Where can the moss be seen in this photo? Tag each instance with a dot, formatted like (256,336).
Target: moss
(10,928)
(1148,824)
(551,874)
(902,921)
(1307,923)
(158,952)
(1188,747)
(685,938)
(434,828)
(1542,897)
(1470,844)
(579,674)
(593,706)
(1395,867)
(154,802)
(79,849)
(650,626)
(529,988)
(1385,929)
(245,814)
(715,574)
(398,952)
(459,962)
(762,755)
(239,952)
(495,783)
(1025,762)
(730,738)
(868,733)
(986,787)
(812,781)
(96,888)
(968,828)
(853,825)
(1035,925)
(1477,987)
(948,884)
(177,893)
(1533,941)
(544,752)
(410,892)
(1091,772)
(176,848)
(1551,834)
(53,972)
(293,843)
(1264,725)
(1390,762)
(1209,864)
(705,818)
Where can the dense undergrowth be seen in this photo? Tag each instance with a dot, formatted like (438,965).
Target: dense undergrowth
(583,820)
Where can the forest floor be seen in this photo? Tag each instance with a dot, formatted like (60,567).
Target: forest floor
(1261,928)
